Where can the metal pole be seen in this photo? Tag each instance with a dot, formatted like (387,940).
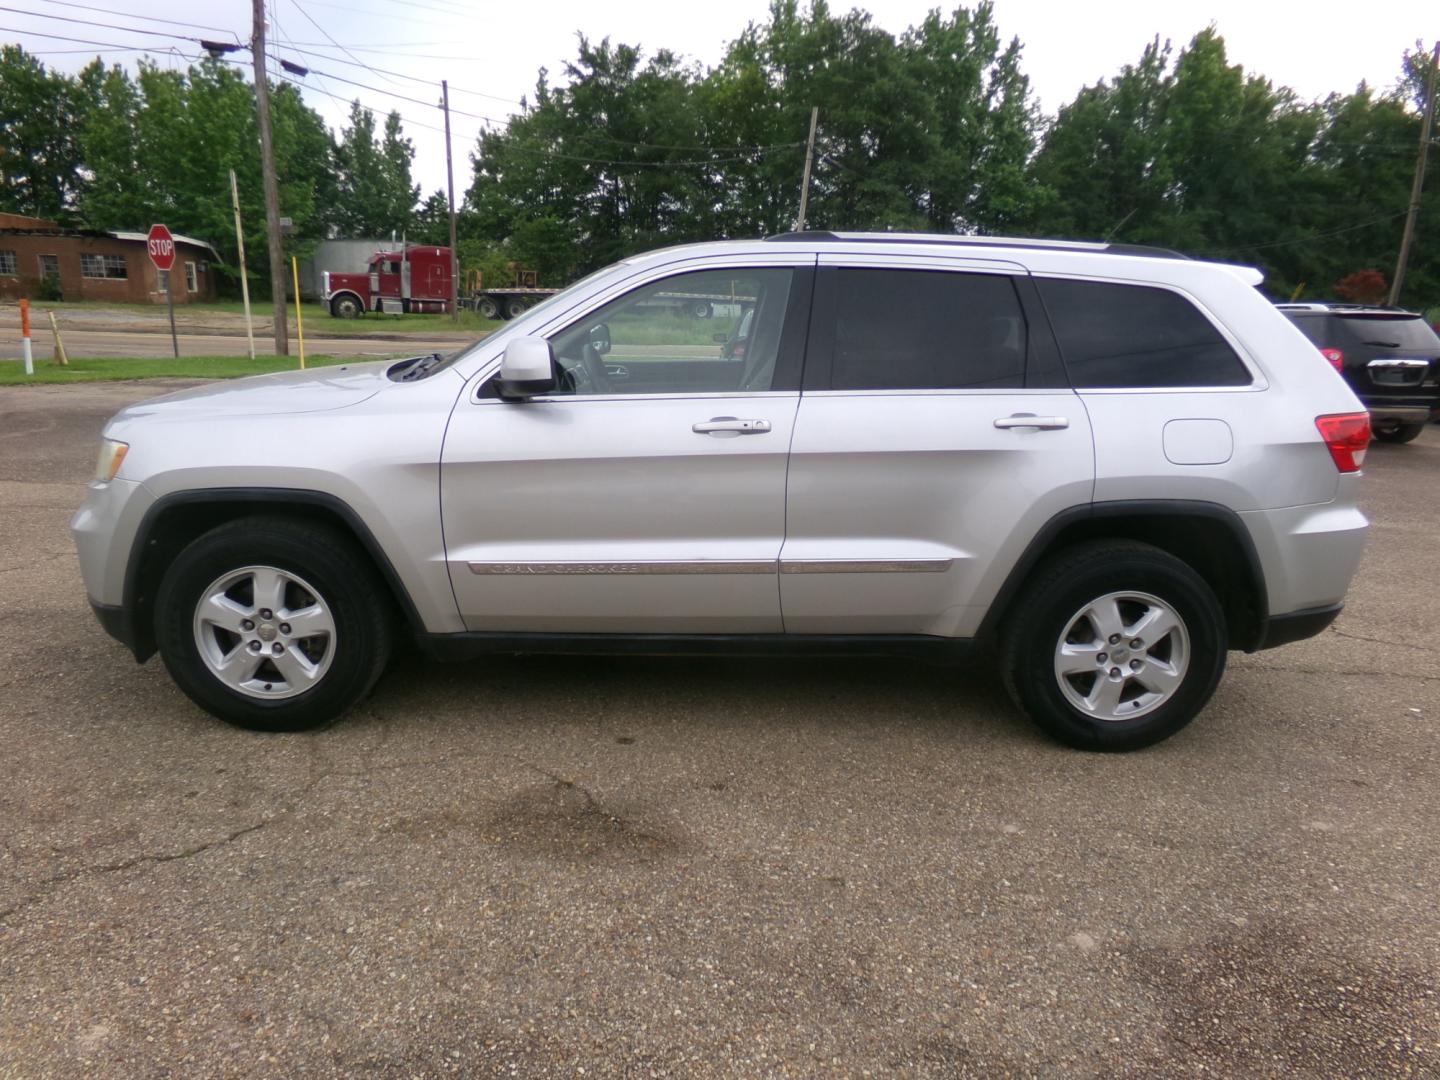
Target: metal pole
(244,281)
(805,181)
(299,322)
(25,353)
(272,186)
(450,189)
(1409,235)
(170,303)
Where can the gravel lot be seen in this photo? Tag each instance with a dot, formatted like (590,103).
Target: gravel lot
(670,867)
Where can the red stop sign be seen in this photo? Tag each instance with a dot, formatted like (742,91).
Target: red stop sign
(161,246)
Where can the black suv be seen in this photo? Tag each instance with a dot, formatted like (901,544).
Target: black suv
(1390,358)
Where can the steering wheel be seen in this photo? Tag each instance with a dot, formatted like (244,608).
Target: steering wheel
(595,370)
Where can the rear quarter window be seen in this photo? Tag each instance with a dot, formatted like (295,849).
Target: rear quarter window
(1113,335)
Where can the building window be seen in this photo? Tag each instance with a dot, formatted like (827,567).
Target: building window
(191,285)
(8,266)
(103,266)
(49,266)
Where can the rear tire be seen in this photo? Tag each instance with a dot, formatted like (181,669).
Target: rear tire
(514,307)
(273,624)
(1400,433)
(1087,683)
(487,308)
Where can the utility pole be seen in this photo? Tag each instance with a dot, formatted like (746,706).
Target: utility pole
(450,190)
(1409,235)
(272,186)
(805,180)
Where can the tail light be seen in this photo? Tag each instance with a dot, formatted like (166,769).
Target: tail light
(1346,435)
(1336,358)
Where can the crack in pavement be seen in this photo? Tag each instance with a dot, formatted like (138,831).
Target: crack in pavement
(48,887)
(1343,671)
(1383,641)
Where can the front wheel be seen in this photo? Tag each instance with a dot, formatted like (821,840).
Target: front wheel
(272,624)
(346,307)
(1114,646)
(1399,433)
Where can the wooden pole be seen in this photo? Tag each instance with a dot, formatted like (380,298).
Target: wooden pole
(1408,237)
(272,185)
(60,357)
(244,280)
(805,180)
(450,189)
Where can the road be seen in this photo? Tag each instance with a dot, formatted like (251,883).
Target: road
(694,868)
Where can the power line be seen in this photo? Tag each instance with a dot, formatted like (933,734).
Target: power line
(92,22)
(134,15)
(375,71)
(1302,239)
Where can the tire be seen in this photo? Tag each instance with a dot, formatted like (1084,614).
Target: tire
(514,307)
(1049,630)
(487,308)
(346,306)
(1399,433)
(702,309)
(294,682)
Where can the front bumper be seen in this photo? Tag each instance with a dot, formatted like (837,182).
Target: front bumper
(1296,626)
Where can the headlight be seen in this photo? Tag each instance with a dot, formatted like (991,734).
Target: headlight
(112,453)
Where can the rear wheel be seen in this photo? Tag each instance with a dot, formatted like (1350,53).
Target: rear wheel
(487,307)
(514,307)
(272,624)
(1114,646)
(1398,433)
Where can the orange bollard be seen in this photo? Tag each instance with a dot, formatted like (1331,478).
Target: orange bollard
(25,336)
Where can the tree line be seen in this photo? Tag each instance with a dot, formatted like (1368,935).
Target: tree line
(934,130)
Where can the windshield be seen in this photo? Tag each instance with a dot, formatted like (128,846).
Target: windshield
(531,316)
(1391,331)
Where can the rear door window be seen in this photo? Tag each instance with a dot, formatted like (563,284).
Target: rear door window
(1113,335)
(925,330)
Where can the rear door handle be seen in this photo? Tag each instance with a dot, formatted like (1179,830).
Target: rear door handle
(721,424)
(1030,420)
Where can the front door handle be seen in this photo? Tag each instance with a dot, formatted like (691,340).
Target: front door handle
(1030,420)
(721,425)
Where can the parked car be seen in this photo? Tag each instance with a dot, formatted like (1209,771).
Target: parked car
(1390,358)
(1104,465)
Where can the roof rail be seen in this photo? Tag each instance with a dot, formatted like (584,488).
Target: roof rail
(826,236)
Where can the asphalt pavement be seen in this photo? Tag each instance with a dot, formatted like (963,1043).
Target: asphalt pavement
(690,868)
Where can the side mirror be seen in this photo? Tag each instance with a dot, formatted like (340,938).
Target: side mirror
(527,368)
(600,338)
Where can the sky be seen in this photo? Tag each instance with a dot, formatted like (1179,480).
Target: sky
(491,52)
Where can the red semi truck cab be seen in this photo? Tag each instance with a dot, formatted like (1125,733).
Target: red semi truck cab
(413,280)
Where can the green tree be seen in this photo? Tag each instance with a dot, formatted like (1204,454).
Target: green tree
(374,193)
(40,157)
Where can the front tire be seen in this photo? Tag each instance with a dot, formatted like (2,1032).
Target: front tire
(1114,646)
(346,307)
(1399,433)
(272,624)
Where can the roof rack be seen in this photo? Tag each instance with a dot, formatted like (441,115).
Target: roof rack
(1342,305)
(826,236)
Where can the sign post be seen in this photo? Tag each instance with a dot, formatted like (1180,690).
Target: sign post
(161,246)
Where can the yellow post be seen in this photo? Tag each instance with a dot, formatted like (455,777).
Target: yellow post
(299,323)
(1298,290)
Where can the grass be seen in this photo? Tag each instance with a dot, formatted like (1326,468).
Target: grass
(321,323)
(648,329)
(111,368)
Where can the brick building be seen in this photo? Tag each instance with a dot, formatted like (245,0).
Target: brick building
(93,265)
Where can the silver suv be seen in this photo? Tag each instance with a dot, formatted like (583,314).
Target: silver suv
(1108,465)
